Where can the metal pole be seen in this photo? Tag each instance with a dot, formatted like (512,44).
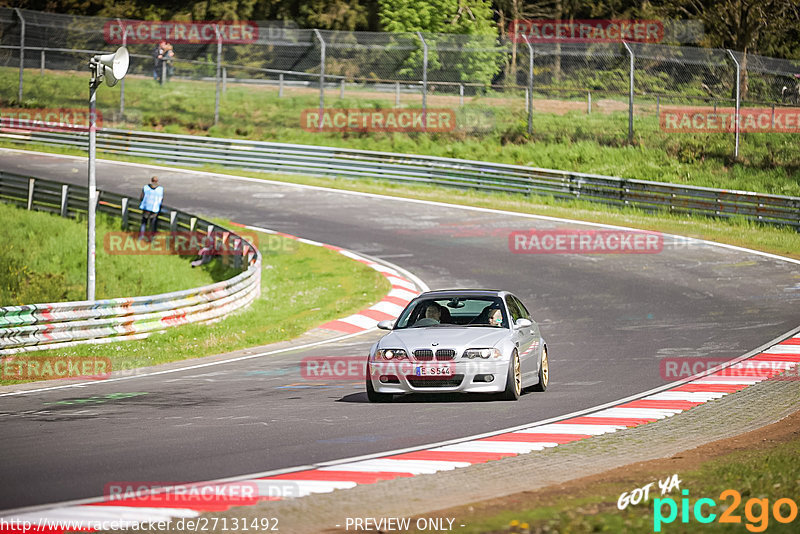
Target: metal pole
(341,90)
(397,94)
(527,100)
(588,102)
(321,76)
(737,119)
(164,71)
(21,53)
(529,95)
(630,95)
(224,80)
(90,237)
(658,105)
(41,63)
(218,75)
(280,86)
(461,95)
(424,77)
(122,82)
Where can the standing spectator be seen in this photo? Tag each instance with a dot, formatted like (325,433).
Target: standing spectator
(150,203)
(158,59)
(169,54)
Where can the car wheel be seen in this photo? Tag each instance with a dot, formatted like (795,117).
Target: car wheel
(514,379)
(544,373)
(374,396)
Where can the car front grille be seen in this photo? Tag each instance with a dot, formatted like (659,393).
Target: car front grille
(423,355)
(445,354)
(435,382)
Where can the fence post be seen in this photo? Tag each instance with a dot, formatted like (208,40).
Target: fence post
(64,199)
(280,85)
(630,95)
(397,94)
(738,102)
(321,76)
(21,53)
(658,106)
(41,63)
(122,81)
(461,95)
(529,91)
(173,221)
(31,185)
(224,80)
(424,76)
(588,102)
(219,74)
(341,90)
(125,214)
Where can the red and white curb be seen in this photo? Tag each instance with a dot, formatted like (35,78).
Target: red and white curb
(403,290)
(348,473)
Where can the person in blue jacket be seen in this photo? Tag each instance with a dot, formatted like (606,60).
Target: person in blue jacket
(150,204)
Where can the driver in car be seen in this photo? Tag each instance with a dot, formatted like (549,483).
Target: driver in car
(433,315)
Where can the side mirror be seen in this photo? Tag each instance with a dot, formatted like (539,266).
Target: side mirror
(523,323)
(386,324)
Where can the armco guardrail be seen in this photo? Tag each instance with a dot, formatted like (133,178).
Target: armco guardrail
(61,324)
(341,162)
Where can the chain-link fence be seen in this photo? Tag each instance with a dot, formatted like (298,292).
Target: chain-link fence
(508,85)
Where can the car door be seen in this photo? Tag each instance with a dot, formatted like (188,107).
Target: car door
(536,337)
(522,338)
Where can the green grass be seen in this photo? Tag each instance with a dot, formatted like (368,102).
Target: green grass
(302,286)
(772,473)
(595,143)
(44,260)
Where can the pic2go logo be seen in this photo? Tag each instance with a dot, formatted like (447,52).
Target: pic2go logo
(756,511)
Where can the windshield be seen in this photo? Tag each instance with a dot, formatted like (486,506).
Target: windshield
(487,312)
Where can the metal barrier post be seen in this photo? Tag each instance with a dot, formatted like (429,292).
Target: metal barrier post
(219,74)
(90,234)
(41,63)
(529,95)
(341,90)
(738,116)
(461,95)
(31,185)
(588,102)
(125,213)
(64,199)
(424,76)
(397,94)
(630,94)
(21,54)
(321,76)
(280,85)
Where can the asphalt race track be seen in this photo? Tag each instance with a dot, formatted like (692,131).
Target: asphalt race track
(608,320)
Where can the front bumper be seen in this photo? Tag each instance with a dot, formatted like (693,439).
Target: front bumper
(466,376)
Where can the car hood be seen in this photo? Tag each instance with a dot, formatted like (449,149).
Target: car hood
(445,337)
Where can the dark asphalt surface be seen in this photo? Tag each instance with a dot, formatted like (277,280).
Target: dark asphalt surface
(608,320)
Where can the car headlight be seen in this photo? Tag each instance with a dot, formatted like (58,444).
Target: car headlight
(391,354)
(482,353)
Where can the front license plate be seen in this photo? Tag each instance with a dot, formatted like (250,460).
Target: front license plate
(433,371)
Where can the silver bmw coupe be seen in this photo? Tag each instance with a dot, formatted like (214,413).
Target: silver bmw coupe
(459,340)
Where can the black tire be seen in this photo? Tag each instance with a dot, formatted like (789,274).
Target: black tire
(374,396)
(544,373)
(513,380)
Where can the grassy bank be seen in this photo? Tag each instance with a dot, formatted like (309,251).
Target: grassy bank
(564,137)
(302,286)
(44,260)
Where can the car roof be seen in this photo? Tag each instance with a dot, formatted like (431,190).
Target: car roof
(464,292)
